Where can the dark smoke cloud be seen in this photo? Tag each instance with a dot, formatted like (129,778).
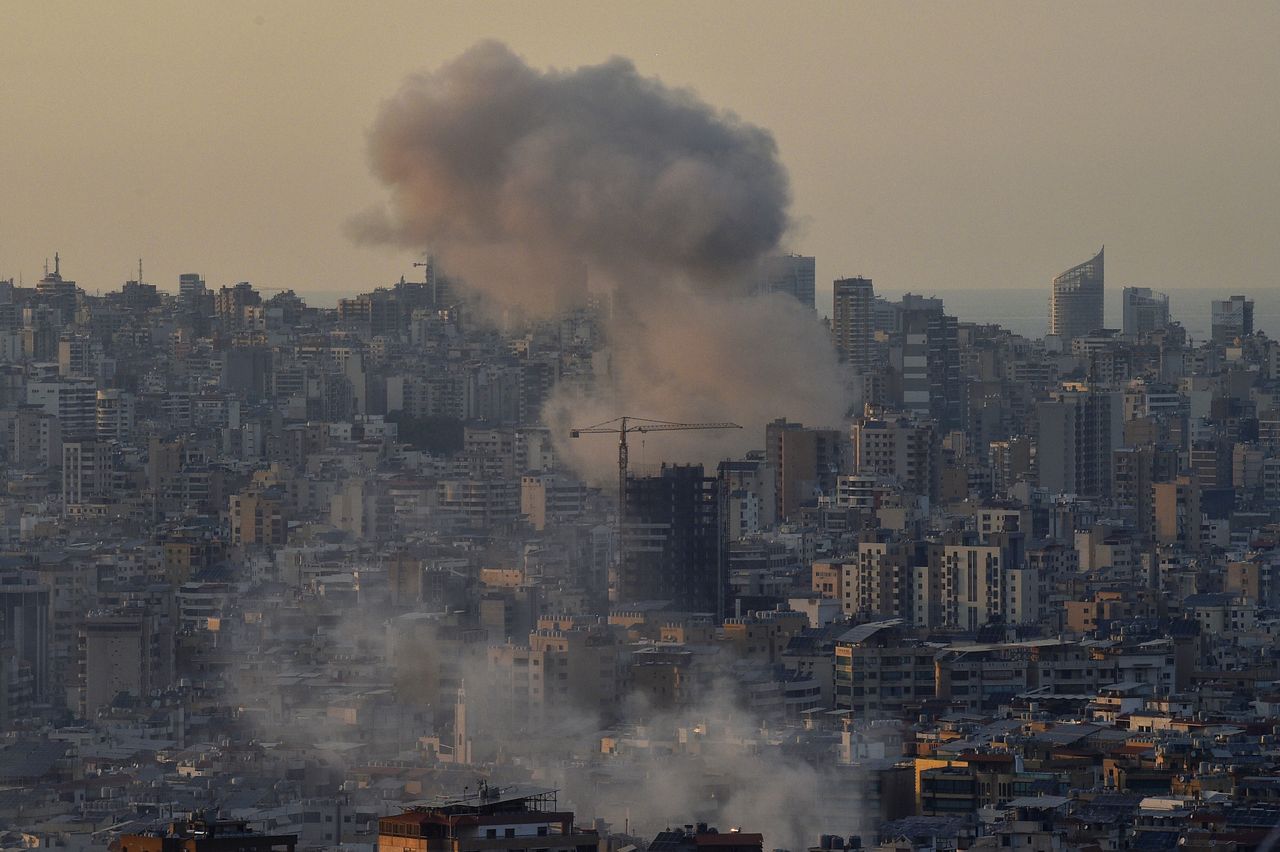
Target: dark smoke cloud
(517,175)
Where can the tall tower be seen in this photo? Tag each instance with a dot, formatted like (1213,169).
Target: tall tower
(852,303)
(461,736)
(1075,308)
(673,548)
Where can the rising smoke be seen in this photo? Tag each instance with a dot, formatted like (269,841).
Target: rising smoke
(520,179)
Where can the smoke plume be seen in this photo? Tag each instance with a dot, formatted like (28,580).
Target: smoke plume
(521,179)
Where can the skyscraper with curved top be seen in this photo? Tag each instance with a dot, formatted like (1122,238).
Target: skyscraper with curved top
(1075,308)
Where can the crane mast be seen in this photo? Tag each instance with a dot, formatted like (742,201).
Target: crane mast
(625,425)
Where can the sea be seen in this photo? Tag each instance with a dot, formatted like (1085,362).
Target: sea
(1026,312)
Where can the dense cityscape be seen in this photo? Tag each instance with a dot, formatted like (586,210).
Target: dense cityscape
(308,569)
(537,493)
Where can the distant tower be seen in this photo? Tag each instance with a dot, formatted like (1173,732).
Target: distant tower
(1231,318)
(461,740)
(1075,308)
(792,274)
(852,304)
(1144,310)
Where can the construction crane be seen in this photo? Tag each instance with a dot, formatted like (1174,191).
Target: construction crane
(623,426)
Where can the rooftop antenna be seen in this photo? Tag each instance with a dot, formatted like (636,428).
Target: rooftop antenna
(139,270)
(56,263)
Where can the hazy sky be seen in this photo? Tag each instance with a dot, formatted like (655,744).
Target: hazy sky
(930,145)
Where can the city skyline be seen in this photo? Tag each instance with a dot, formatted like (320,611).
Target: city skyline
(244,162)
(573,428)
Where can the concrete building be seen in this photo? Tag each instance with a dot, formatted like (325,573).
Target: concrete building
(852,304)
(929,361)
(904,449)
(25,628)
(124,651)
(1176,512)
(881,673)
(672,542)
(86,472)
(115,414)
(1230,319)
(551,498)
(1078,429)
(74,402)
(257,519)
(806,463)
(753,482)
(489,503)
(36,438)
(1145,310)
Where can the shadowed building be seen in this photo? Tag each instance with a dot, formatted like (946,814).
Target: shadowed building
(672,541)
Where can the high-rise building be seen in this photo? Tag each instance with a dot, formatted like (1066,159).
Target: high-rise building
(806,463)
(257,519)
(1078,432)
(792,274)
(191,288)
(852,314)
(115,414)
(1144,310)
(128,650)
(930,364)
(1177,514)
(24,627)
(86,472)
(905,449)
(230,303)
(1134,471)
(36,438)
(1231,318)
(74,402)
(672,541)
(1075,308)
(76,356)
(750,485)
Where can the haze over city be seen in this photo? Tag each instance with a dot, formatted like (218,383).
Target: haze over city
(719,427)
(930,146)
